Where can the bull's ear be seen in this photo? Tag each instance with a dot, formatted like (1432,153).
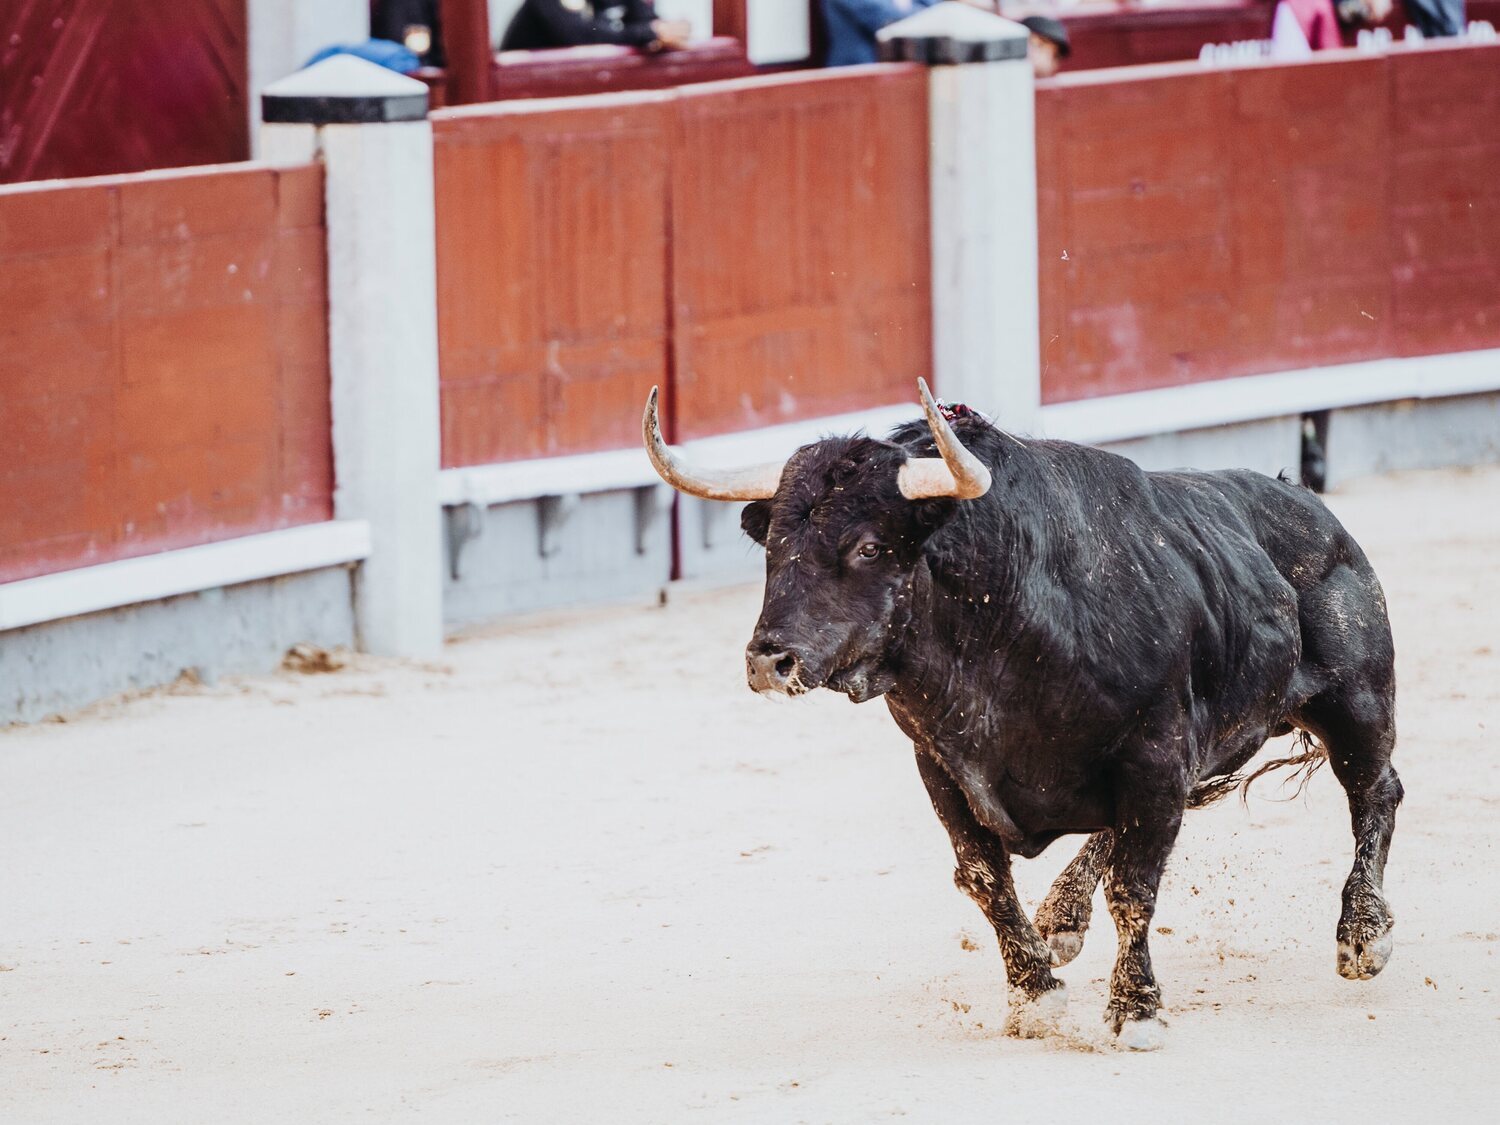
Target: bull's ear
(933,514)
(756,520)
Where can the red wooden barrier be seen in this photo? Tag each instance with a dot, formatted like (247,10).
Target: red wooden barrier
(163,364)
(551,257)
(1444,199)
(1199,224)
(1123,33)
(800,247)
(603,68)
(757,248)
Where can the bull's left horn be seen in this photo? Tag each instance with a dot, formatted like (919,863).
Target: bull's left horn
(758,482)
(958,473)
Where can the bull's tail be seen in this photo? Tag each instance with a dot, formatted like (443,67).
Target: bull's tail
(1304,763)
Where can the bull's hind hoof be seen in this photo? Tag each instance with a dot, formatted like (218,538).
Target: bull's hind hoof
(1034,1017)
(1065,946)
(1148,1034)
(1361,960)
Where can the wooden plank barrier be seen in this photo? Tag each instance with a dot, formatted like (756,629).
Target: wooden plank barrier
(757,247)
(801,256)
(163,363)
(1202,224)
(552,284)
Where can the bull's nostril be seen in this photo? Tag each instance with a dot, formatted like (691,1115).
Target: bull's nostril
(772,671)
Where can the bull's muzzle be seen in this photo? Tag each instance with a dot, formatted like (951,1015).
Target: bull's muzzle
(777,672)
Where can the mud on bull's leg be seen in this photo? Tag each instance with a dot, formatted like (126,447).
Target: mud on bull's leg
(1063,917)
(1037,999)
(1130,886)
(1365,938)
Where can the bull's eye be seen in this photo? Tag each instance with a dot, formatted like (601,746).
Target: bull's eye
(868,550)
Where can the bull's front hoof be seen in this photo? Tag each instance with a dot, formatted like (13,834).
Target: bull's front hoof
(1148,1034)
(1065,946)
(1362,960)
(1035,1017)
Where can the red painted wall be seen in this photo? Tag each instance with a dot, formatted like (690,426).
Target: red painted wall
(164,373)
(1200,224)
(89,87)
(801,255)
(598,69)
(552,282)
(1122,33)
(758,248)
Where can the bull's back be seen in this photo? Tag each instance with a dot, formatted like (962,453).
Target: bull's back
(1300,535)
(1344,630)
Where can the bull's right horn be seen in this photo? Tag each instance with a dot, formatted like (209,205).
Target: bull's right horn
(758,482)
(955,472)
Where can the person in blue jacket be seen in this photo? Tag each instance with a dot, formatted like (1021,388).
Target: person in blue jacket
(852,25)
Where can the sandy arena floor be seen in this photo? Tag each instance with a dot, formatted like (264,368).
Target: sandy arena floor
(579,873)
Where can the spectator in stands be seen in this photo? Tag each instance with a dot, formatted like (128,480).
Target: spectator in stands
(573,23)
(416,24)
(1317,21)
(1436,18)
(1049,43)
(852,25)
(1357,14)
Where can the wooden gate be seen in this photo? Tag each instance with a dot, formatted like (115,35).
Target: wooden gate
(89,88)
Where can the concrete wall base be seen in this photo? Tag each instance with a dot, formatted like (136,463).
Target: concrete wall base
(1413,434)
(592,558)
(713,546)
(62,665)
(555,551)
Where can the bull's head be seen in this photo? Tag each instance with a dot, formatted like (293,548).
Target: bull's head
(843,523)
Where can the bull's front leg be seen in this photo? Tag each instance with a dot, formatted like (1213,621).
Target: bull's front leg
(1037,998)
(1130,886)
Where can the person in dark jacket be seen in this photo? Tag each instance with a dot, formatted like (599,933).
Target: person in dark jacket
(1436,18)
(1049,44)
(418,24)
(573,23)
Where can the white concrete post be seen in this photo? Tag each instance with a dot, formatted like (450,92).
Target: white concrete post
(376,143)
(283,34)
(981,102)
(288,144)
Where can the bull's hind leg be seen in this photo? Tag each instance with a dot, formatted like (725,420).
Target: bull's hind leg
(1360,734)
(1064,915)
(1037,998)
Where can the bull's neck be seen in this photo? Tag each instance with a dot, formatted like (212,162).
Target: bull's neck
(977,617)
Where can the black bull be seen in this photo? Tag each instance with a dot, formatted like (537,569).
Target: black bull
(1082,648)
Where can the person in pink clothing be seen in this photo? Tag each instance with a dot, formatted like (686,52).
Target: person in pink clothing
(1318,22)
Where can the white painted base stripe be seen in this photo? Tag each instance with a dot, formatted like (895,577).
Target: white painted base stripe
(1111,418)
(189,570)
(1227,401)
(509,481)
(512,481)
